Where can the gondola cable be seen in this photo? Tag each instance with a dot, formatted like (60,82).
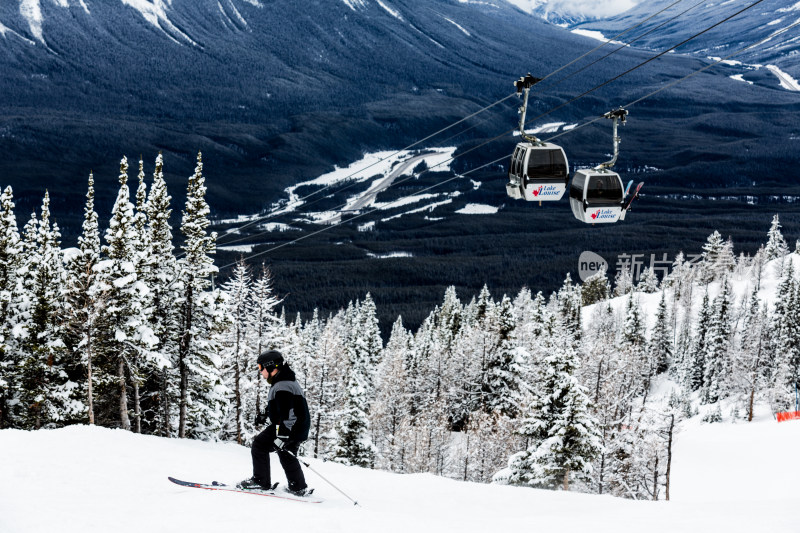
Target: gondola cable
(299,201)
(251,256)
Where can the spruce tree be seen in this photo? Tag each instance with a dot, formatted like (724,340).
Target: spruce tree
(786,337)
(712,251)
(750,358)
(10,299)
(563,435)
(128,332)
(354,445)
(596,288)
(660,345)
(695,363)
(264,325)
(623,282)
(46,391)
(503,389)
(163,281)
(648,283)
(776,245)
(203,397)
(569,307)
(237,359)
(85,299)
(717,345)
(389,412)
(325,389)
(633,345)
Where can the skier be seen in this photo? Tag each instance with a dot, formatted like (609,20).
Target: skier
(289,423)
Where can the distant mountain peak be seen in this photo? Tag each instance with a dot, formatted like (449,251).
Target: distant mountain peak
(569,12)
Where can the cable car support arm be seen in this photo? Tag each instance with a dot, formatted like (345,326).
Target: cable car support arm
(618,115)
(523,86)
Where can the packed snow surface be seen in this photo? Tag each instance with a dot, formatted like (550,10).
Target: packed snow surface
(726,477)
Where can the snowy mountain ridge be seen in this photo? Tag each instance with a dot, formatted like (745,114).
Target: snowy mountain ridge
(158,13)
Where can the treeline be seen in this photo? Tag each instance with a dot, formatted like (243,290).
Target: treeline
(532,390)
(123,334)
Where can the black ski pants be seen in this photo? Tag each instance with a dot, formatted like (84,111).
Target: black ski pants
(263,444)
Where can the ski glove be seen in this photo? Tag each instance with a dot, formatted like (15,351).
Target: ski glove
(280,442)
(261,418)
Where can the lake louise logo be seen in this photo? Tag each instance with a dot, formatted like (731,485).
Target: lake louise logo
(545,190)
(589,264)
(604,214)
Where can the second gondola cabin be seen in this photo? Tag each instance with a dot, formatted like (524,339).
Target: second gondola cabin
(538,172)
(597,196)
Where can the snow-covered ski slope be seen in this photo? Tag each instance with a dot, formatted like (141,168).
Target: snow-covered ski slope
(726,478)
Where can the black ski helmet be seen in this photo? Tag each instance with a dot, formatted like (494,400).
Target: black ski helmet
(270,359)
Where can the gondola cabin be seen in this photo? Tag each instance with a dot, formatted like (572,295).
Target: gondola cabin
(538,172)
(597,196)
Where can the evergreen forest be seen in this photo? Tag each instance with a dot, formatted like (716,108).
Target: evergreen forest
(552,391)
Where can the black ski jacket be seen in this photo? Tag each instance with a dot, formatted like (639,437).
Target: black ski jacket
(287,407)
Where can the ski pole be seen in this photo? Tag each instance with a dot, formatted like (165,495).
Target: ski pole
(323,477)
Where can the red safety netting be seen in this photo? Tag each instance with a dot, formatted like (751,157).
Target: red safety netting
(788,415)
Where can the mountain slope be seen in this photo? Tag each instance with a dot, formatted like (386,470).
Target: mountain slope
(753,25)
(276,92)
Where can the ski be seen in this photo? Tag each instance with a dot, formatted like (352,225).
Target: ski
(226,488)
(627,204)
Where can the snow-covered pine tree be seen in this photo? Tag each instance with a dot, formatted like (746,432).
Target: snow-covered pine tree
(203,396)
(85,301)
(530,312)
(749,358)
(569,306)
(660,345)
(623,282)
(367,340)
(633,346)
(596,288)
(265,328)
(717,345)
(448,368)
(648,283)
(129,336)
(390,409)
(354,446)
(164,283)
(140,364)
(503,389)
(563,435)
(726,262)
(710,258)
(237,361)
(694,361)
(47,393)
(682,331)
(679,276)
(786,338)
(10,299)
(478,346)
(776,245)
(326,387)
